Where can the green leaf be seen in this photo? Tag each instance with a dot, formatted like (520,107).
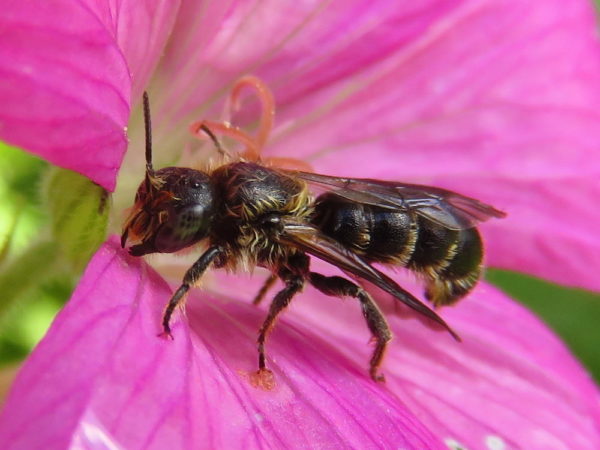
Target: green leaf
(27,271)
(7,241)
(21,218)
(572,313)
(20,171)
(78,211)
(29,319)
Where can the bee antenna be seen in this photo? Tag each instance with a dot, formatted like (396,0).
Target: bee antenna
(148,126)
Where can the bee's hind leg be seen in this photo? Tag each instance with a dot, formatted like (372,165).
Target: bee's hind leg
(340,287)
(294,276)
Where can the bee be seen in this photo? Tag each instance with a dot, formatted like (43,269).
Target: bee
(251,213)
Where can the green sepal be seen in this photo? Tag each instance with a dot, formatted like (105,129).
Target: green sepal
(78,211)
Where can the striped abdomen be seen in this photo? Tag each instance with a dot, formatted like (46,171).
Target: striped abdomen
(449,260)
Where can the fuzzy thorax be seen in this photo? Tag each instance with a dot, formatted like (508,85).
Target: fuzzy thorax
(249,193)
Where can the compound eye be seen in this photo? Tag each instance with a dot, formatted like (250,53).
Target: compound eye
(185,227)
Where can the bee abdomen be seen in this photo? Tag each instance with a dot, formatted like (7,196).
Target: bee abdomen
(378,234)
(435,247)
(343,221)
(449,260)
(393,236)
(457,273)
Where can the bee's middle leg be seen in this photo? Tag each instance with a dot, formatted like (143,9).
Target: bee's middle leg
(294,276)
(269,282)
(340,287)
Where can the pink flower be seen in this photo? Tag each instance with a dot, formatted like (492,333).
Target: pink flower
(496,100)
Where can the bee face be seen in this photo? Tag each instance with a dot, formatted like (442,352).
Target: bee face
(174,209)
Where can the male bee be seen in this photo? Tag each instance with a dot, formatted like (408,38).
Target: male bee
(251,213)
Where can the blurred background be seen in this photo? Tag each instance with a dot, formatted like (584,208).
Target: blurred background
(41,258)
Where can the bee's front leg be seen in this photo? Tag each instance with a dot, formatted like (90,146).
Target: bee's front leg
(190,279)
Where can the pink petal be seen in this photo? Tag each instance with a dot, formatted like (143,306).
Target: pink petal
(469,94)
(141,30)
(65,89)
(101,378)
(509,381)
(214,44)
(499,93)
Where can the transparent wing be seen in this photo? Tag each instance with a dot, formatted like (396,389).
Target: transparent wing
(446,208)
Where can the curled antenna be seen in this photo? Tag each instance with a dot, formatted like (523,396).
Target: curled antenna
(148,125)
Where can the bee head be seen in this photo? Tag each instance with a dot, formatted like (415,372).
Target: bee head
(173,206)
(172,211)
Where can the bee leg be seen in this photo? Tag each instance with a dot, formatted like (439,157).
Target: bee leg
(294,276)
(190,278)
(283,298)
(269,282)
(340,287)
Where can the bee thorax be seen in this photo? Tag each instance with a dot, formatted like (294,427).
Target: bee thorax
(254,198)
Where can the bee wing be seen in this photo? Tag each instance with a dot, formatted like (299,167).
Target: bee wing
(309,239)
(446,208)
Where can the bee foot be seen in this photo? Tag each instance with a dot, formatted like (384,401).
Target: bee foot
(263,379)
(166,335)
(378,377)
